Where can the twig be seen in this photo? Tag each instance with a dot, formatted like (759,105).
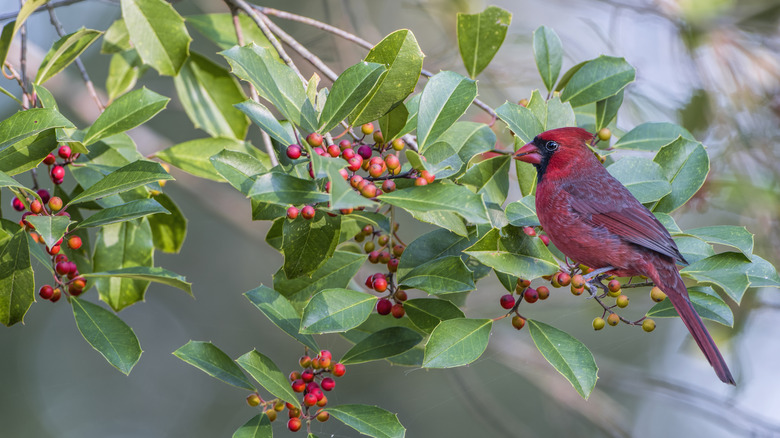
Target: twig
(23,62)
(84,75)
(12,15)
(299,48)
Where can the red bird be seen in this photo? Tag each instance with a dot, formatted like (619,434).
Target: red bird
(593,219)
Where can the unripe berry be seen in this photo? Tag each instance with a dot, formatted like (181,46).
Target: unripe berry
(392,162)
(315,363)
(253,400)
(518,322)
(388,186)
(366,129)
(380,284)
(369,246)
(314,139)
(622,301)
(522,102)
(398,144)
(369,191)
(294,424)
(613,319)
(298,385)
(36,207)
(507,301)
(429,177)
(64,152)
(328,384)
(55,203)
(367,230)
(323,416)
(577,281)
(420,181)
(398,310)
(46,292)
(74,242)
(271,414)
(304,361)
(543,292)
(398,250)
(322,401)
(604,134)
(295,375)
(383,307)
(375,170)
(355,180)
(577,290)
(293,412)
(523,283)
(648,325)
(56,295)
(613,286)
(292,212)
(49,160)
(401,295)
(657,294)
(324,362)
(308,212)
(598,323)
(340,369)
(365,152)
(564,279)
(279,405)
(383,240)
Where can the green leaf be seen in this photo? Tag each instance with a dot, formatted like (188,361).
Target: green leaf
(50,228)
(413,106)
(208,92)
(642,177)
(238,168)
(598,79)
(729,235)
(127,112)
(693,248)
(275,81)
(153,274)
(29,123)
(64,51)
(124,212)
(606,110)
(17,285)
(258,426)
(116,39)
(336,310)
(401,54)
(281,188)
(761,273)
(706,302)
(520,120)
(268,375)
(369,420)
(135,174)
(350,88)
(522,213)
(307,244)
(206,357)
(107,334)
(480,36)
(567,355)
(440,276)
(457,342)
(427,313)
(194,156)
(7,181)
(168,230)
(382,344)
(337,272)
(548,53)
(118,246)
(267,122)
(445,98)
(652,136)
(514,253)
(123,72)
(391,124)
(685,165)
(489,177)
(434,245)
(276,308)
(726,271)
(157,31)
(219,29)
(11,28)
(28,153)
(526,174)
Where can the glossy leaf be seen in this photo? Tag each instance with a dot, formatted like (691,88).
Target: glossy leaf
(445,98)
(337,272)
(457,342)
(514,253)
(642,177)
(238,168)
(194,156)
(208,92)
(17,285)
(168,230)
(369,420)
(268,375)
(606,110)
(50,228)
(761,273)
(382,344)
(208,358)
(434,245)
(348,90)
(598,79)
(153,274)
(480,36)
(157,31)
(307,244)
(124,70)
(116,38)
(9,31)
(522,213)
(135,174)
(107,334)
(652,136)
(65,51)
(266,121)
(706,302)
(727,271)
(258,426)
(125,113)
(520,120)
(27,153)
(219,28)
(427,313)
(336,310)
(490,178)
(392,123)
(7,181)
(736,237)
(281,188)
(277,309)
(440,276)
(124,212)
(24,124)
(685,165)
(567,355)
(548,53)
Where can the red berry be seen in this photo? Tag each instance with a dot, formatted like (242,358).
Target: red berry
(518,322)
(370,280)
(383,307)
(17,204)
(320,151)
(55,203)
(294,424)
(54,249)
(307,375)
(57,173)
(369,191)
(298,385)
(304,361)
(334,151)
(323,416)
(543,292)
(380,284)
(36,207)
(328,384)
(429,177)
(348,153)
(308,212)
(388,186)
(56,295)
(392,162)
(44,194)
(49,160)
(293,152)
(340,369)
(564,279)
(325,362)
(355,163)
(545,239)
(375,170)
(373,257)
(420,181)
(613,285)
(292,212)
(62,268)
(398,310)
(314,139)
(326,354)
(74,242)
(507,301)
(392,265)
(529,231)
(384,257)
(46,292)
(398,250)
(310,399)
(345,144)
(530,295)
(64,152)
(355,180)
(295,375)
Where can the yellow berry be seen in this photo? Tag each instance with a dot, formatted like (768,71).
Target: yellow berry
(657,294)
(622,301)
(577,281)
(598,323)
(648,325)
(613,319)
(605,134)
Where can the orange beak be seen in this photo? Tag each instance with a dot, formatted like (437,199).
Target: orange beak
(528,153)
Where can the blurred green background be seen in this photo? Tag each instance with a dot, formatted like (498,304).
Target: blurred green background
(713,66)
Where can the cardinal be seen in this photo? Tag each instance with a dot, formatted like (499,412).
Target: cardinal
(593,219)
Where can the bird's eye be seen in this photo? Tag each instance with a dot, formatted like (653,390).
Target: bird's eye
(551,145)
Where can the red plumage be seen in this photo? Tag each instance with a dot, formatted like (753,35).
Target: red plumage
(593,219)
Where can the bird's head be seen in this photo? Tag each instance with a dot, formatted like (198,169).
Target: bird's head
(556,150)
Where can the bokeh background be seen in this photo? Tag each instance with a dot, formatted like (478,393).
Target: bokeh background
(711,65)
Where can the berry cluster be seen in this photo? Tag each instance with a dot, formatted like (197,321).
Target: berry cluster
(57,170)
(312,382)
(524,293)
(385,251)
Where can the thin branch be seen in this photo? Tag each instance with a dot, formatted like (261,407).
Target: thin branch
(23,62)
(82,69)
(12,15)
(299,48)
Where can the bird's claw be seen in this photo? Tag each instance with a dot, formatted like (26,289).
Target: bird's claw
(593,290)
(597,272)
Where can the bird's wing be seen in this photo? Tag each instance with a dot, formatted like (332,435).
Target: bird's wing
(610,205)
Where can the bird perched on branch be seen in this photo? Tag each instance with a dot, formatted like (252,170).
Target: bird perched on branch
(593,219)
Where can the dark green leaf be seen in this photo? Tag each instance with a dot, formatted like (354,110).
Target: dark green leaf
(206,357)
(382,344)
(125,212)
(369,420)
(153,274)
(693,248)
(606,110)
(598,79)
(267,122)
(642,177)
(307,244)
(194,156)
(457,342)
(157,31)
(514,253)
(548,53)
(567,355)
(520,120)
(480,36)
(268,375)
(28,123)
(168,230)
(135,174)
(10,29)
(63,52)
(652,136)
(335,273)
(490,178)
(522,213)
(392,123)
(434,245)
(761,273)
(50,228)
(350,88)
(726,271)
(440,276)
(276,308)
(28,153)
(427,313)
(258,426)
(685,165)
(107,334)
(706,302)
(16,279)
(446,97)
(729,235)
(281,188)
(413,106)
(238,168)
(336,310)
(526,173)
(125,113)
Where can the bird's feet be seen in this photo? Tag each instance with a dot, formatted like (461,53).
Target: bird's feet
(597,272)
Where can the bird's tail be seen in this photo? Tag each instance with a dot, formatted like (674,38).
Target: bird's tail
(673,286)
